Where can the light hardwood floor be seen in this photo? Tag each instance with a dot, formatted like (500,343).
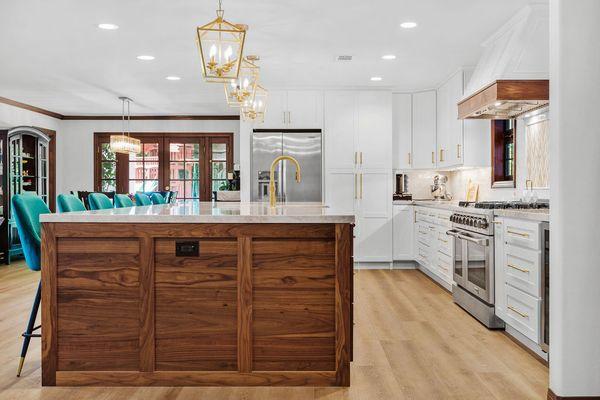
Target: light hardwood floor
(411,342)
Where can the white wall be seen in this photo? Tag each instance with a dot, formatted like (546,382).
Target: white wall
(574,216)
(75,147)
(11,117)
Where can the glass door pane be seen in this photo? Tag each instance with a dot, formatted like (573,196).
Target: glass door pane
(476,268)
(144,167)
(219,150)
(184,167)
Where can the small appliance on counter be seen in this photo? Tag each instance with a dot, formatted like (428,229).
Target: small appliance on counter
(438,189)
(401,192)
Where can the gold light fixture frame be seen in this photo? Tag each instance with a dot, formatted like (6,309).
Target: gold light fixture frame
(256,109)
(215,35)
(242,89)
(124,143)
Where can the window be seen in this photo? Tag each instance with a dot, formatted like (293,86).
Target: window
(184,169)
(192,164)
(108,169)
(143,169)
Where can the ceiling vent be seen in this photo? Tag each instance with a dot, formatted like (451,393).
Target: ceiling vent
(344,58)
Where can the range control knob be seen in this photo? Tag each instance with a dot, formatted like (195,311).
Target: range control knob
(484,224)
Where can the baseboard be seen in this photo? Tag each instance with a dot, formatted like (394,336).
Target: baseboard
(436,279)
(372,265)
(526,344)
(552,396)
(404,265)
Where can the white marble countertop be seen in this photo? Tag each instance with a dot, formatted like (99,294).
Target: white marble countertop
(540,215)
(210,212)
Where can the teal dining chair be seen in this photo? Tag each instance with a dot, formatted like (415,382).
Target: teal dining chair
(99,201)
(122,201)
(142,200)
(26,210)
(157,198)
(68,203)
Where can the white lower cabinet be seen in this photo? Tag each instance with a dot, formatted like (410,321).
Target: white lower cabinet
(402,226)
(518,274)
(434,249)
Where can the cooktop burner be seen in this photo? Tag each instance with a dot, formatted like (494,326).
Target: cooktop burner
(492,205)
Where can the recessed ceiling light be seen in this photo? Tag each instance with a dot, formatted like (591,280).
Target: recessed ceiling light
(408,25)
(172,78)
(108,27)
(145,58)
(388,57)
(376,78)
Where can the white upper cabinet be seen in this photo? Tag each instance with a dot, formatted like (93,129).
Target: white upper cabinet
(296,109)
(449,127)
(402,130)
(304,109)
(375,130)
(341,130)
(424,129)
(275,114)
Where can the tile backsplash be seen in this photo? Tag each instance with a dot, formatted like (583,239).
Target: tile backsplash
(419,184)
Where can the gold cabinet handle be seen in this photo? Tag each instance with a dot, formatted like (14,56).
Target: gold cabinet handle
(409,159)
(433,157)
(441,155)
(360,158)
(355,186)
(526,235)
(361,186)
(518,268)
(458,151)
(442,240)
(289,117)
(518,312)
(442,267)
(355,157)
(497,222)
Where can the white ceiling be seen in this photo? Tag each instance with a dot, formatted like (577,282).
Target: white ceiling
(52,55)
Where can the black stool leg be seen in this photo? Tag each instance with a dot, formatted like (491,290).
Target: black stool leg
(30,327)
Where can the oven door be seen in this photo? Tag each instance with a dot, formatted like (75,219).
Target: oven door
(459,272)
(475,252)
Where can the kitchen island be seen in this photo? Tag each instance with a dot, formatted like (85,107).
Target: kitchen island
(215,294)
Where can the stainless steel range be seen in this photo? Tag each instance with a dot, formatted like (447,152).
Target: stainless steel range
(474,264)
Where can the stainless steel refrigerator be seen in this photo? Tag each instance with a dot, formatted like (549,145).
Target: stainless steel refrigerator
(304,146)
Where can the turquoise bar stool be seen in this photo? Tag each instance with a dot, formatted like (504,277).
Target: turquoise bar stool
(157,199)
(68,203)
(122,201)
(99,201)
(142,200)
(26,210)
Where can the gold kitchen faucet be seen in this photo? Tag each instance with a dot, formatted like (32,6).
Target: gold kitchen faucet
(272,197)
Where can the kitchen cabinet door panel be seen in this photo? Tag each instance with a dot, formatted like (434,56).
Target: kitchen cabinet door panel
(402,130)
(304,109)
(424,130)
(403,228)
(374,240)
(375,130)
(340,126)
(275,114)
(341,190)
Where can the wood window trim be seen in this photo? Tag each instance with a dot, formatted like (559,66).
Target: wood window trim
(122,178)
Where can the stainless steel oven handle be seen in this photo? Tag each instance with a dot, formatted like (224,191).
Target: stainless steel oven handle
(480,242)
(452,233)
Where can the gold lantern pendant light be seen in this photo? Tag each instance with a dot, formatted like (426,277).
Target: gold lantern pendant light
(239,91)
(124,143)
(221,45)
(254,109)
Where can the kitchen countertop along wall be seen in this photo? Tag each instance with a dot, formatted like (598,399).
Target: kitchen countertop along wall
(541,215)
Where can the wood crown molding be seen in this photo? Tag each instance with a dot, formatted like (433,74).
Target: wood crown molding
(28,107)
(24,106)
(552,396)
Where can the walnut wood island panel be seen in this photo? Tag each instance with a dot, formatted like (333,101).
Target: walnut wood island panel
(197,294)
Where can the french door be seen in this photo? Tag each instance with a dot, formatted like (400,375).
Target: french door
(192,164)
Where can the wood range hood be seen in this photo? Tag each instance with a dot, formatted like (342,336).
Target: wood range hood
(505,99)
